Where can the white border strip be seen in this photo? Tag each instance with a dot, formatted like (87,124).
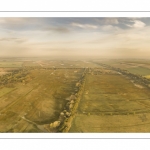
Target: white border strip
(74,14)
(75,5)
(75,135)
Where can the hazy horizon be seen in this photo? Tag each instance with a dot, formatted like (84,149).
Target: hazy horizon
(75,37)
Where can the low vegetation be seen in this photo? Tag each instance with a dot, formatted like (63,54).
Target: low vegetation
(74,96)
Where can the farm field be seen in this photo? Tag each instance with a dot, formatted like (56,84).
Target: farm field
(37,93)
(31,105)
(138,67)
(10,64)
(139,70)
(113,104)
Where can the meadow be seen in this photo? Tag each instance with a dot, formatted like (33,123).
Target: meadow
(113,104)
(34,93)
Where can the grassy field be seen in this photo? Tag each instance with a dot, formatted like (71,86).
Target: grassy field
(40,97)
(139,70)
(109,102)
(5,90)
(65,64)
(31,64)
(9,64)
(135,67)
(140,67)
(148,76)
(38,102)
(113,104)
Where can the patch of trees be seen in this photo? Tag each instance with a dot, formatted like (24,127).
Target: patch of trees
(15,76)
(63,122)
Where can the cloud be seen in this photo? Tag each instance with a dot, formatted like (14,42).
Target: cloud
(137,24)
(84,26)
(8,39)
(94,35)
(108,21)
(20,24)
(111,21)
(17,21)
(18,40)
(109,28)
(57,29)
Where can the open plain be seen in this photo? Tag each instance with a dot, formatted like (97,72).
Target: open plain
(74,96)
(112,103)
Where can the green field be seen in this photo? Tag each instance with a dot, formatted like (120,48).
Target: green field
(113,104)
(5,90)
(147,76)
(38,101)
(139,70)
(9,64)
(106,101)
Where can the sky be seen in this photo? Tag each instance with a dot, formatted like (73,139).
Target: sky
(101,37)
